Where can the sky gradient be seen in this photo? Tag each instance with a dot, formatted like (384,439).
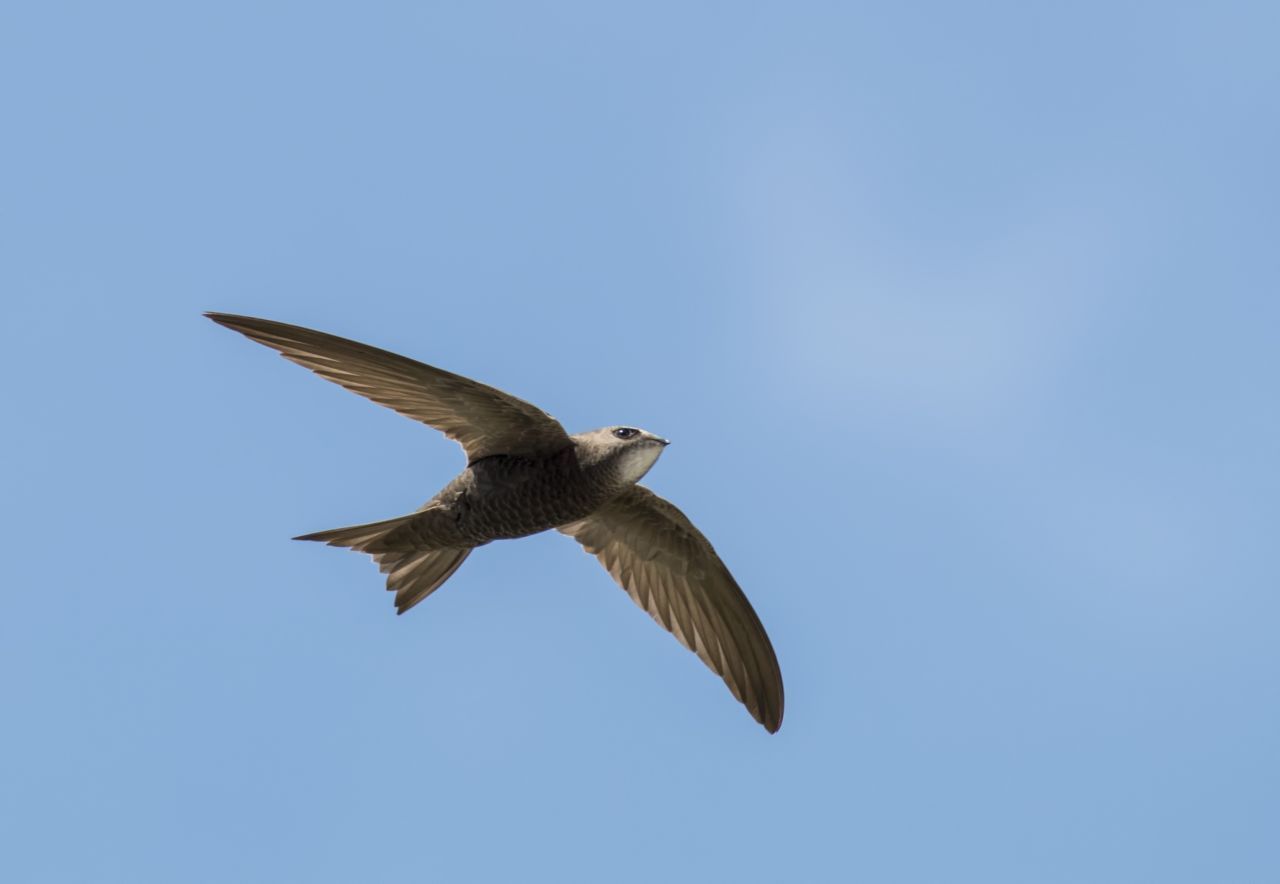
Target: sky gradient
(962,321)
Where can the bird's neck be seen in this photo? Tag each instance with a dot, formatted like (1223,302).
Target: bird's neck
(614,470)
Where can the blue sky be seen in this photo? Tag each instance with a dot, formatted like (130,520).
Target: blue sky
(962,320)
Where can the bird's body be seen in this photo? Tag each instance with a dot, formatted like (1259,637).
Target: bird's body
(507,496)
(502,497)
(525,475)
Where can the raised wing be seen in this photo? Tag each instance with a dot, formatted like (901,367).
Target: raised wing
(482,419)
(670,569)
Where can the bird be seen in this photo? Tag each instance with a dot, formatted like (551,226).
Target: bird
(525,474)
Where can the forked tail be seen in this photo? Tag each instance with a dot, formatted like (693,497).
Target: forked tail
(413,572)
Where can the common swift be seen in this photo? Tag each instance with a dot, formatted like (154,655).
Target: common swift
(525,475)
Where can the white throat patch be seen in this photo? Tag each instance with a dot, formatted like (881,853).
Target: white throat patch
(636,461)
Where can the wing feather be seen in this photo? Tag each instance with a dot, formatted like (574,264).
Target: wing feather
(671,571)
(482,419)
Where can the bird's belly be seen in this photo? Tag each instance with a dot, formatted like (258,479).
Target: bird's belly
(507,499)
(499,519)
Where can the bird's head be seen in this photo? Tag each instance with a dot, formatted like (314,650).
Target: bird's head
(628,452)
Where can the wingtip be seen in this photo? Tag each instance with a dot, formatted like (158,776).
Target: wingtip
(769,718)
(230,320)
(226,320)
(774,722)
(771,723)
(240,323)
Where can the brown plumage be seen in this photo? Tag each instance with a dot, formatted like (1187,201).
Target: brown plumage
(524,475)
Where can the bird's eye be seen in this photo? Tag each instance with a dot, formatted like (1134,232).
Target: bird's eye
(626,432)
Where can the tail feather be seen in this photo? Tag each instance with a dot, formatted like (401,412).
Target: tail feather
(361,538)
(413,572)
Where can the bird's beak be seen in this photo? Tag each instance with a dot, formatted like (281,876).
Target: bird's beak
(663,442)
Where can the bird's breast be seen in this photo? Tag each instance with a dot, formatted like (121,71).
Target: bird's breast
(505,496)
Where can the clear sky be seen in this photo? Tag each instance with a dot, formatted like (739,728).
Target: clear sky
(963,320)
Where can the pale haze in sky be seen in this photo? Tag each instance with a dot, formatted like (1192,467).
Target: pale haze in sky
(961,319)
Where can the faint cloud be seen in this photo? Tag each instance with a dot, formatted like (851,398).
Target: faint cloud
(926,322)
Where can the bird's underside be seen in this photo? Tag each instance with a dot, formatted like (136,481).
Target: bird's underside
(525,474)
